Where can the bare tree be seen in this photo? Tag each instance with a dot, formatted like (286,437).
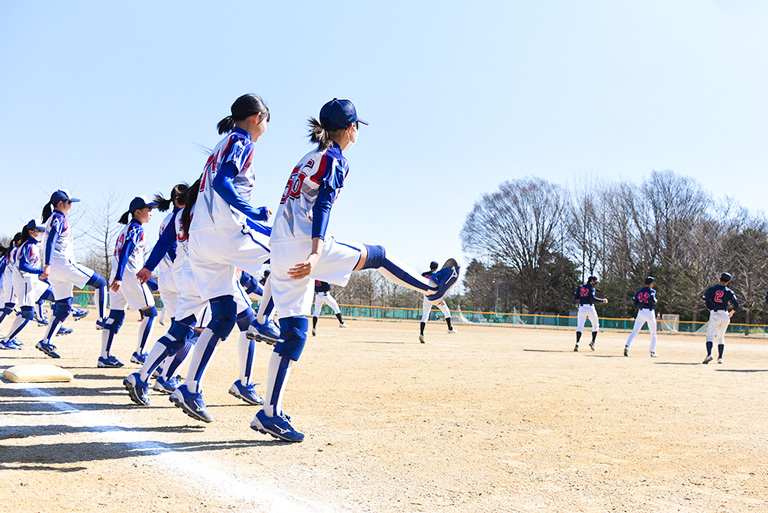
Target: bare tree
(103,230)
(748,248)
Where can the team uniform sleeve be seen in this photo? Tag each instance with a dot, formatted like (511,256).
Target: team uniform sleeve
(330,177)
(24,258)
(128,246)
(164,245)
(237,158)
(53,235)
(734,301)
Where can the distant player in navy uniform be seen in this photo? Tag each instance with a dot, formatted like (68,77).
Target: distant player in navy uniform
(645,300)
(323,296)
(717,298)
(427,308)
(586,296)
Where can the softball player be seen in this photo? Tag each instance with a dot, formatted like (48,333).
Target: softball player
(323,296)
(645,299)
(586,296)
(7,293)
(427,307)
(302,253)
(61,270)
(717,298)
(26,277)
(125,289)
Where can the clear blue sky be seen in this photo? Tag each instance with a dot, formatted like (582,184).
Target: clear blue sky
(460,97)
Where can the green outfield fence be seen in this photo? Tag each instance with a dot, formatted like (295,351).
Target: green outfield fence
(85,299)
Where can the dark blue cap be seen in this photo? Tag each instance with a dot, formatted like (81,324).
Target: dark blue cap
(649,280)
(339,114)
(726,277)
(37,224)
(62,195)
(140,202)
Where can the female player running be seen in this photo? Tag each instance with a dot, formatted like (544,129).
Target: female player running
(125,289)
(302,253)
(7,292)
(61,270)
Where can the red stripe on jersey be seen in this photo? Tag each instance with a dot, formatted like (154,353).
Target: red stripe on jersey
(317,177)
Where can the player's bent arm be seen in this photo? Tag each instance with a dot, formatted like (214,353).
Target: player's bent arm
(115,285)
(46,272)
(144,275)
(304,269)
(224,187)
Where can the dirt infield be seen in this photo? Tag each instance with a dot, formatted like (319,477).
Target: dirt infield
(487,420)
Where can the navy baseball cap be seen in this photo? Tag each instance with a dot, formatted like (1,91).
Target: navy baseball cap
(140,202)
(62,195)
(339,114)
(726,277)
(649,280)
(35,224)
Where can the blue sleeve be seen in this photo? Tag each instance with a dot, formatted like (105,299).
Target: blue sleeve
(152,284)
(224,187)
(24,264)
(128,246)
(53,234)
(734,301)
(165,244)
(321,212)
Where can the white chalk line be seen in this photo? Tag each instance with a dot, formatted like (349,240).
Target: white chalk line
(264,494)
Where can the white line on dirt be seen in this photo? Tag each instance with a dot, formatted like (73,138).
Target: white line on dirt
(263,494)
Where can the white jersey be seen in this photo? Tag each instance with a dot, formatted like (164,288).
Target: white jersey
(130,249)
(182,241)
(213,211)
(29,252)
(59,246)
(166,263)
(293,221)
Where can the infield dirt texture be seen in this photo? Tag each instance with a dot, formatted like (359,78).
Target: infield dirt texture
(488,420)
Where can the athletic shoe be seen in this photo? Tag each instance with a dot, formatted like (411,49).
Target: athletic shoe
(157,372)
(267,332)
(626,351)
(576,348)
(278,427)
(138,359)
(421,339)
(137,389)
(48,349)
(314,332)
(191,404)
(654,355)
(9,344)
(708,359)
(165,386)
(79,314)
(246,392)
(719,360)
(109,363)
(17,342)
(592,346)
(63,330)
(342,325)
(452,331)
(445,278)
(41,321)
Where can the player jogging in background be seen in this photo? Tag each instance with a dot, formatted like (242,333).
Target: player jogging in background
(7,292)
(323,296)
(26,277)
(61,270)
(302,252)
(125,290)
(717,298)
(587,299)
(645,300)
(427,308)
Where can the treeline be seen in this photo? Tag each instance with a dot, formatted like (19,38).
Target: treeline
(534,241)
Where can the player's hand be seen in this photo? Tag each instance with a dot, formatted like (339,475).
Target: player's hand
(144,275)
(115,285)
(46,270)
(730,314)
(605,300)
(304,269)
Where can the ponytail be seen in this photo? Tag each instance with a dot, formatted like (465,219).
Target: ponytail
(162,203)
(47,211)
(24,235)
(176,193)
(226,125)
(124,217)
(319,135)
(189,198)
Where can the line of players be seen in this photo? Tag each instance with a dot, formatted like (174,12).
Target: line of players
(717,298)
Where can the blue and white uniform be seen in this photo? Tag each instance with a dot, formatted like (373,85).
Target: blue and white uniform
(7,293)
(127,260)
(166,281)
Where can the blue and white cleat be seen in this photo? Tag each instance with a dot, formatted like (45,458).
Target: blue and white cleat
(246,392)
(10,344)
(63,330)
(79,314)
(268,332)
(109,363)
(165,386)
(191,404)
(41,321)
(278,427)
(138,359)
(445,278)
(48,349)
(137,389)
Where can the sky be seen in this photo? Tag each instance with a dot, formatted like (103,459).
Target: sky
(118,98)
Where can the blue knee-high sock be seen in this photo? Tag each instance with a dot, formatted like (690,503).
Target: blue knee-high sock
(99,285)
(6,311)
(145,330)
(18,324)
(277,378)
(178,359)
(201,356)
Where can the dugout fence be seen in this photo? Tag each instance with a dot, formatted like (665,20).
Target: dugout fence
(670,324)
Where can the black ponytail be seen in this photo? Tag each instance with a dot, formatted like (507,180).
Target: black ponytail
(164,204)
(244,107)
(124,217)
(189,198)
(47,211)
(319,135)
